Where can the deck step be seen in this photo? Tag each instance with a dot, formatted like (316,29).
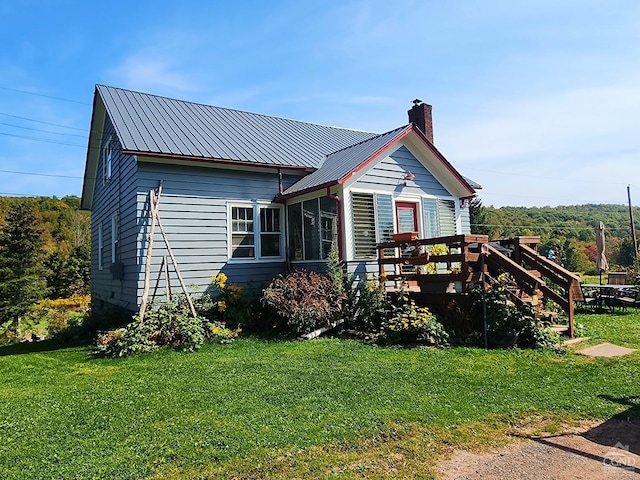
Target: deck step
(561,329)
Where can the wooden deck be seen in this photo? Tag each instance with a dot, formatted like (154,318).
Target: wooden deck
(439,279)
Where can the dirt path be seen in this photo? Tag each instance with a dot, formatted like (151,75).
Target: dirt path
(588,452)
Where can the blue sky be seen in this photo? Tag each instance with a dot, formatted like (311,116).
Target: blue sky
(538,101)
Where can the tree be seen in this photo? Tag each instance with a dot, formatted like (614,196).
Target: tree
(21,273)
(626,255)
(478,217)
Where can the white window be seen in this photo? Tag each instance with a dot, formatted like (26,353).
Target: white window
(100,246)
(114,236)
(256,232)
(107,160)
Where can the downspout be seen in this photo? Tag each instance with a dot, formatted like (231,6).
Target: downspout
(280,189)
(337,199)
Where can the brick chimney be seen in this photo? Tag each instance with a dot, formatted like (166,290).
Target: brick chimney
(420,114)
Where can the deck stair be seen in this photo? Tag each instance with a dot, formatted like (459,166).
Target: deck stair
(451,275)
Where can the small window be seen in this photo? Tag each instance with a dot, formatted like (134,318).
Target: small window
(114,236)
(364,225)
(100,246)
(270,232)
(313,227)
(107,161)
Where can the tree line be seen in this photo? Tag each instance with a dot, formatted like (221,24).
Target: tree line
(45,252)
(570,229)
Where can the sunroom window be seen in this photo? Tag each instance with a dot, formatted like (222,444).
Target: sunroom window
(313,227)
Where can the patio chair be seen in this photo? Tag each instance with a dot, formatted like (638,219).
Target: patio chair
(590,296)
(617,278)
(628,297)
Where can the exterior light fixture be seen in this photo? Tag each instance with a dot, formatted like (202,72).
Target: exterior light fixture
(408,176)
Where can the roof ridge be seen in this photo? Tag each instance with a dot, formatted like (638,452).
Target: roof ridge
(238,110)
(370,139)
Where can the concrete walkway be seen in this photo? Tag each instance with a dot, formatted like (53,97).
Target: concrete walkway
(606,350)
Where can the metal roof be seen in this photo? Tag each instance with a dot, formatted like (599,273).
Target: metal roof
(157,125)
(340,163)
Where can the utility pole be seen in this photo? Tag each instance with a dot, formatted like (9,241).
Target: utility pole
(633,229)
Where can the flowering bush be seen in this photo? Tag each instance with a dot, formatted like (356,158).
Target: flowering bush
(411,323)
(371,303)
(223,302)
(304,301)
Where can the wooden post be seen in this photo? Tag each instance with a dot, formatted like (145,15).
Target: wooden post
(162,268)
(175,265)
(153,211)
(570,314)
(167,287)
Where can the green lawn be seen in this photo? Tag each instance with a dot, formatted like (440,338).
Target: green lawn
(288,408)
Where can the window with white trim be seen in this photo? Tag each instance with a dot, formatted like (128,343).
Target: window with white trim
(256,232)
(114,236)
(100,246)
(364,225)
(107,161)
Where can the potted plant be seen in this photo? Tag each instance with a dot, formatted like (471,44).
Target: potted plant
(404,236)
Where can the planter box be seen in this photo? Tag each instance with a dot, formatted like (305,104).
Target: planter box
(421,259)
(404,236)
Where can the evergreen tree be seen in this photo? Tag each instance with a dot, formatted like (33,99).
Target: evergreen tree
(21,272)
(478,217)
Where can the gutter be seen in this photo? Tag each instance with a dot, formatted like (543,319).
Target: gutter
(335,197)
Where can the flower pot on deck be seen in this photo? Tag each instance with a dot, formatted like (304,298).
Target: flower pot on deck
(404,236)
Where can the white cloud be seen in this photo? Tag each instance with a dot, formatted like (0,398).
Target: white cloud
(560,146)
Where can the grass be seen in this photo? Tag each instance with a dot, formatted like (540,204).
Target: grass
(327,408)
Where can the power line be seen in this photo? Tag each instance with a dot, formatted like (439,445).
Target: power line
(41,121)
(542,177)
(42,140)
(39,174)
(43,95)
(43,131)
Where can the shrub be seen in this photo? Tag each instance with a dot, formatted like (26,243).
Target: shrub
(223,302)
(170,324)
(504,316)
(371,305)
(410,323)
(304,301)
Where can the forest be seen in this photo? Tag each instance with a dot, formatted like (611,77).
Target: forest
(45,264)
(571,229)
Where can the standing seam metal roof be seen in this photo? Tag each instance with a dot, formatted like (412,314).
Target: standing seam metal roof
(152,124)
(346,160)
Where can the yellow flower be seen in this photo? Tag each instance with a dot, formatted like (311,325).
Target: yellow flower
(222,306)
(220,280)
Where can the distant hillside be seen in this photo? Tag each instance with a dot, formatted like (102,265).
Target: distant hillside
(65,225)
(571,227)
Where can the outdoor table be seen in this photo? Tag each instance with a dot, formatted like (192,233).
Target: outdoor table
(606,294)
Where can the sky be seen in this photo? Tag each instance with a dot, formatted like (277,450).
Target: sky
(538,101)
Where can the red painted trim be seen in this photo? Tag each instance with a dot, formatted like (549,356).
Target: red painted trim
(237,163)
(444,161)
(407,206)
(427,143)
(309,190)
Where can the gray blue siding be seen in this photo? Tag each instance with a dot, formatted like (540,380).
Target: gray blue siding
(193,212)
(116,196)
(387,175)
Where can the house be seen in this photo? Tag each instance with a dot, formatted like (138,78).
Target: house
(250,195)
